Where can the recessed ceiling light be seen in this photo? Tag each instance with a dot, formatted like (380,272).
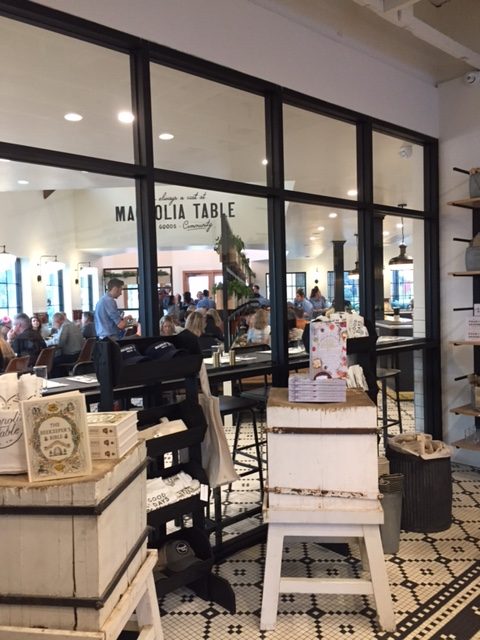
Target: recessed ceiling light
(312,238)
(321,228)
(22,182)
(126,117)
(352,192)
(332,214)
(73,117)
(264,162)
(4,160)
(166,136)
(386,233)
(399,225)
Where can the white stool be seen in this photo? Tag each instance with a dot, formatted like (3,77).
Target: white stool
(140,597)
(326,525)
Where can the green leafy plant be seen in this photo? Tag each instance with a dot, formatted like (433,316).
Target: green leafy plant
(217,287)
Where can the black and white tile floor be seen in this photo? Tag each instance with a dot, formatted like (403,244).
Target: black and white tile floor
(434,579)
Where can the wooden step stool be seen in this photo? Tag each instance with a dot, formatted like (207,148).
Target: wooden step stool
(331,526)
(140,597)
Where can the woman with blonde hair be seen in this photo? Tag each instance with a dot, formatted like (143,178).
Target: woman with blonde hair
(167,326)
(195,323)
(259,331)
(6,353)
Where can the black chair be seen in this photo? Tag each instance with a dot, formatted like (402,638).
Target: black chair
(235,405)
(206,344)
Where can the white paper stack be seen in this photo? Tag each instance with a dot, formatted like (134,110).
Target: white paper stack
(112,434)
(302,389)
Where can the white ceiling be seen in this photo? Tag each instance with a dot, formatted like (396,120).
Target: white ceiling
(359,26)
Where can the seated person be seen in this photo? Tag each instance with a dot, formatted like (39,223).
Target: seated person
(300,319)
(6,354)
(259,330)
(88,325)
(213,324)
(68,342)
(24,340)
(294,332)
(303,303)
(319,302)
(167,326)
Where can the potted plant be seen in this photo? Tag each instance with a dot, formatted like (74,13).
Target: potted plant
(217,291)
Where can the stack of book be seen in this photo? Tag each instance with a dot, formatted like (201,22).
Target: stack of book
(112,434)
(302,389)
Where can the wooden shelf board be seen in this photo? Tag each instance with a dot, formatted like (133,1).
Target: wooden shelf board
(464,273)
(462,342)
(466,410)
(466,203)
(466,444)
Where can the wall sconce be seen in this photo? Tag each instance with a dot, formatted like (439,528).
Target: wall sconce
(80,266)
(47,265)
(7,260)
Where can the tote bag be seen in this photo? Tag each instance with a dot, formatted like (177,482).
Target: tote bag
(216,456)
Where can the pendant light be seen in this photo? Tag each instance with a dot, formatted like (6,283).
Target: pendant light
(402,261)
(354,274)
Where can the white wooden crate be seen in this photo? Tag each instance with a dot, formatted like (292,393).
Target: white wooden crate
(322,456)
(72,555)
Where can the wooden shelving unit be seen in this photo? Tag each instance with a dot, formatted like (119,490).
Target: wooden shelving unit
(466,203)
(469,410)
(461,274)
(466,444)
(466,410)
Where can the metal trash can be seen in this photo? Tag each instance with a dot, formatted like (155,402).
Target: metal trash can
(391,488)
(427,491)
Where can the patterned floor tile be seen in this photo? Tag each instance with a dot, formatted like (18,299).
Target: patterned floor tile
(434,579)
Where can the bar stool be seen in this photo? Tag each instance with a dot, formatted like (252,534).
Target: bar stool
(383,375)
(235,405)
(254,463)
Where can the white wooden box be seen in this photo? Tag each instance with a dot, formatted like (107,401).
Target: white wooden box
(81,538)
(322,456)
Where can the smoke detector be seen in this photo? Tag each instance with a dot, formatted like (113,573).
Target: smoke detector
(405,151)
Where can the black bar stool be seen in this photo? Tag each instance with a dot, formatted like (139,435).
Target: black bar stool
(235,405)
(383,375)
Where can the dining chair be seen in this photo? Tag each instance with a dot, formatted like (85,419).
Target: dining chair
(17,364)
(45,357)
(85,355)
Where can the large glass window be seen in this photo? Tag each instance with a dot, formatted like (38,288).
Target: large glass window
(208,128)
(403,276)
(320,154)
(350,290)
(73,219)
(321,240)
(397,172)
(64,94)
(10,286)
(215,239)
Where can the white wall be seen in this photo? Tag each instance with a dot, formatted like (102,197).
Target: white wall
(459,147)
(249,38)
